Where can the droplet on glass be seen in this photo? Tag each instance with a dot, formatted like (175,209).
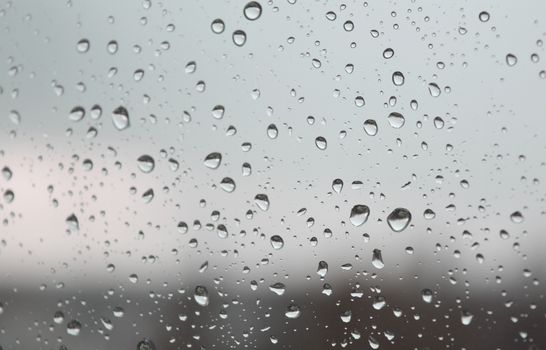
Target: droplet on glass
(239,37)
(359,214)
(377,260)
(217,26)
(399,219)
(511,60)
(146,163)
(370,127)
(213,160)
(262,201)
(201,296)
(321,143)
(120,118)
(276,242)
(396,120)
(252,10)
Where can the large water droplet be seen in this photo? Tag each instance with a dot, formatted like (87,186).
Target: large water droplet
(511,60)
(83,46)
(426,294)
(239,37)
(293,311)
(396,120)
(398,78)
(337,185)
(76,114)
(272,131)
(370,127)
(322,268)
(120,117)
(145,344)
(227,184)
(262,201)
(73,327)
(399,219)
(434,90)
(276,242)
(145,163)
(252,10)
(377,260)
(201,295)
(321,143)
(359,214)
(484,16)
(217,26)
(213,160)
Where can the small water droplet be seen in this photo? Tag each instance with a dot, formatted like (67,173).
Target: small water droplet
(484,16)
(370,127)
(146,163)
(217,26)
(434,90)
(201,295)
(73,327)
(511,60)
(337,185)
(277,242)
(377,260)
(120,118)
(321,143)
(398,78)
(262,201)
(239,37)
(396,120)
(83,46)
(213,160)
(252,10)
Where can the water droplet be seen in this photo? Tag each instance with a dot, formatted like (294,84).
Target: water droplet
(227,184)
(398,78)
(426,294)
(120,117)
(145,344)
(359,214)
(429,214)
(217,26)
(272,131)
(377,260)
(388,53)
(322,268)
(201,296)
(72,222)
(218,112)
(370,127)
(213,160)
(191,67)
(337,185)
(466,317)
(348,26)
(434,90)
(83,46)
(145,163)
(396,120)
(239,37)
(76,114)
(277,288)
(262,201)
(516,217)
(276,242)
(399,219)
(484,16)
(73,327)
(346,316)
(293,311)
(112,47)
(331,15)
(321,143)
(511,60)
(252,10)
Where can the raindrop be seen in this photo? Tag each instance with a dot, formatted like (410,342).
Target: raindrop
(218,111)
(426,294)
(76,114)
(73,327)
(213,160)
(83,46)
(516,217)
(399,219)
(145,163)
(239,37)
(227,184)
(511,60)
(370,127)
(466,317)
(484,16)
(293,311)
(276,242)
(398,78)
(322,268)
(145,344)
(321,143)
(252,10)
(396,120)
(272,131)
(217,26)
(201,296)
(337,185)
(388,53)
(262,201)
(359,214)
(377,260)
(120,117)
(434,90)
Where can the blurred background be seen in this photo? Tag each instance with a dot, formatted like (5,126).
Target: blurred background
(272,174)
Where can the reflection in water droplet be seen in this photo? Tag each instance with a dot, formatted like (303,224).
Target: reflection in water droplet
(322,268)
(272,131)
(516,217)
(396,120)
(252,10)
(277,288)
(213,160)
(218,112)
(76,114)
(426,294)
(466,317)
(399,219)
(359,214)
